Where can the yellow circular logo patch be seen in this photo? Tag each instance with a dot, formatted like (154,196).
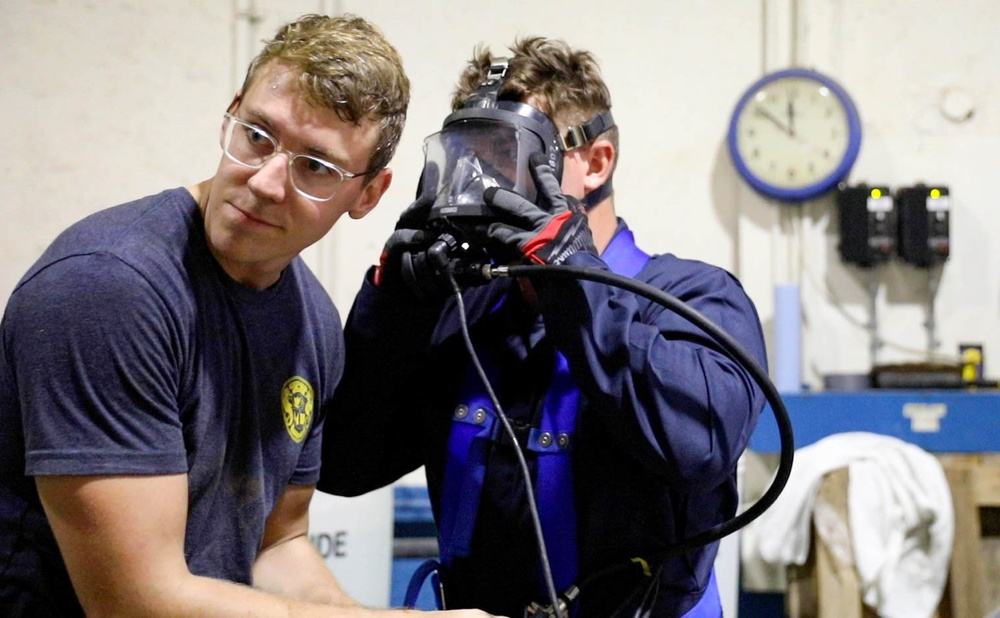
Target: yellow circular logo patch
(297,407)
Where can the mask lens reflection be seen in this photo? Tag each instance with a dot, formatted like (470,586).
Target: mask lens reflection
(474,155)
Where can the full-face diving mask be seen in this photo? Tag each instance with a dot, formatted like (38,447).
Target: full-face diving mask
(486,144)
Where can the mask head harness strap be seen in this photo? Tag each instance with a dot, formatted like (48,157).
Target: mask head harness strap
(486,94)
(582,133)
(578,136)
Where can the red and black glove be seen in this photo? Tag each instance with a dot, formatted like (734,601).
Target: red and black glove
(545,233)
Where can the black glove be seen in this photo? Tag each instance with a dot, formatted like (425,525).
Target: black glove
(403,267)
(407,237)
(546,233)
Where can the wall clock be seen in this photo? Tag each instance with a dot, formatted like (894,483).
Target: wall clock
(794,135)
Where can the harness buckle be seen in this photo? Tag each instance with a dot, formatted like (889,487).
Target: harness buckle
(537,610)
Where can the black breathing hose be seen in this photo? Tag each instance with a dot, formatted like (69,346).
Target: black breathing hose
(728,343)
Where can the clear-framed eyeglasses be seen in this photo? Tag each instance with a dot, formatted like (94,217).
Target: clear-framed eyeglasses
(251,146)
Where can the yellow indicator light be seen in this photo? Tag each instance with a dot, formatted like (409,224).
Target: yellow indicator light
(876,193)
(935,193)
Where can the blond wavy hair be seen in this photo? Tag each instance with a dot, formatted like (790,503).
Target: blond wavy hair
(346,64)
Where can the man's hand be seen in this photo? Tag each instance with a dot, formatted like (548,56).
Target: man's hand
(547,233)
(403,268)
(408,237)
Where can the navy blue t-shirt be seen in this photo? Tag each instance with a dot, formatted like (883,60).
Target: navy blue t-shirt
(127,350)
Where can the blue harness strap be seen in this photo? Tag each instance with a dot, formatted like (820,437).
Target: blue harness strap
(710,605)
(428,568)
(552,441)
(475,426)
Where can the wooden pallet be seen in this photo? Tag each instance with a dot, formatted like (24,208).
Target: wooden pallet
(973,587)
(827,585)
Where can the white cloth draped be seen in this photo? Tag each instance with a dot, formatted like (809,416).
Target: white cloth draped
(899,511)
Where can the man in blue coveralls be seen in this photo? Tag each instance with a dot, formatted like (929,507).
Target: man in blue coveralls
(630,419)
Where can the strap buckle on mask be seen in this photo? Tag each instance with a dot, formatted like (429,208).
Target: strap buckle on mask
(579,135)
(486,94)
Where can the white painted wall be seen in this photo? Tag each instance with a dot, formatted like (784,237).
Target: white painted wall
(104,101)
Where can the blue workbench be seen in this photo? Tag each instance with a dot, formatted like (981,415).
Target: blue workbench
(939,421)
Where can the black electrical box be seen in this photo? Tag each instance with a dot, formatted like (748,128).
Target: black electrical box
(867,224)
(924,222)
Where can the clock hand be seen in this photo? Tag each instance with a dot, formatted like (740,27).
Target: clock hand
(766,114)
(791,118)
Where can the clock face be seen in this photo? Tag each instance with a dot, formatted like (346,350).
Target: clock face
(794,135)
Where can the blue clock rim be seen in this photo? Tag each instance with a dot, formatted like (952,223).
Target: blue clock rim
(823,185)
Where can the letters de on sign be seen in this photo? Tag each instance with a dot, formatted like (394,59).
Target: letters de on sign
(330,545)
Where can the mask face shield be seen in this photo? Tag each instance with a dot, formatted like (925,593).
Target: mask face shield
(471,155)
(478,148)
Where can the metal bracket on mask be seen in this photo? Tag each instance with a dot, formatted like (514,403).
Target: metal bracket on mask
(486,94)
(580,134)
